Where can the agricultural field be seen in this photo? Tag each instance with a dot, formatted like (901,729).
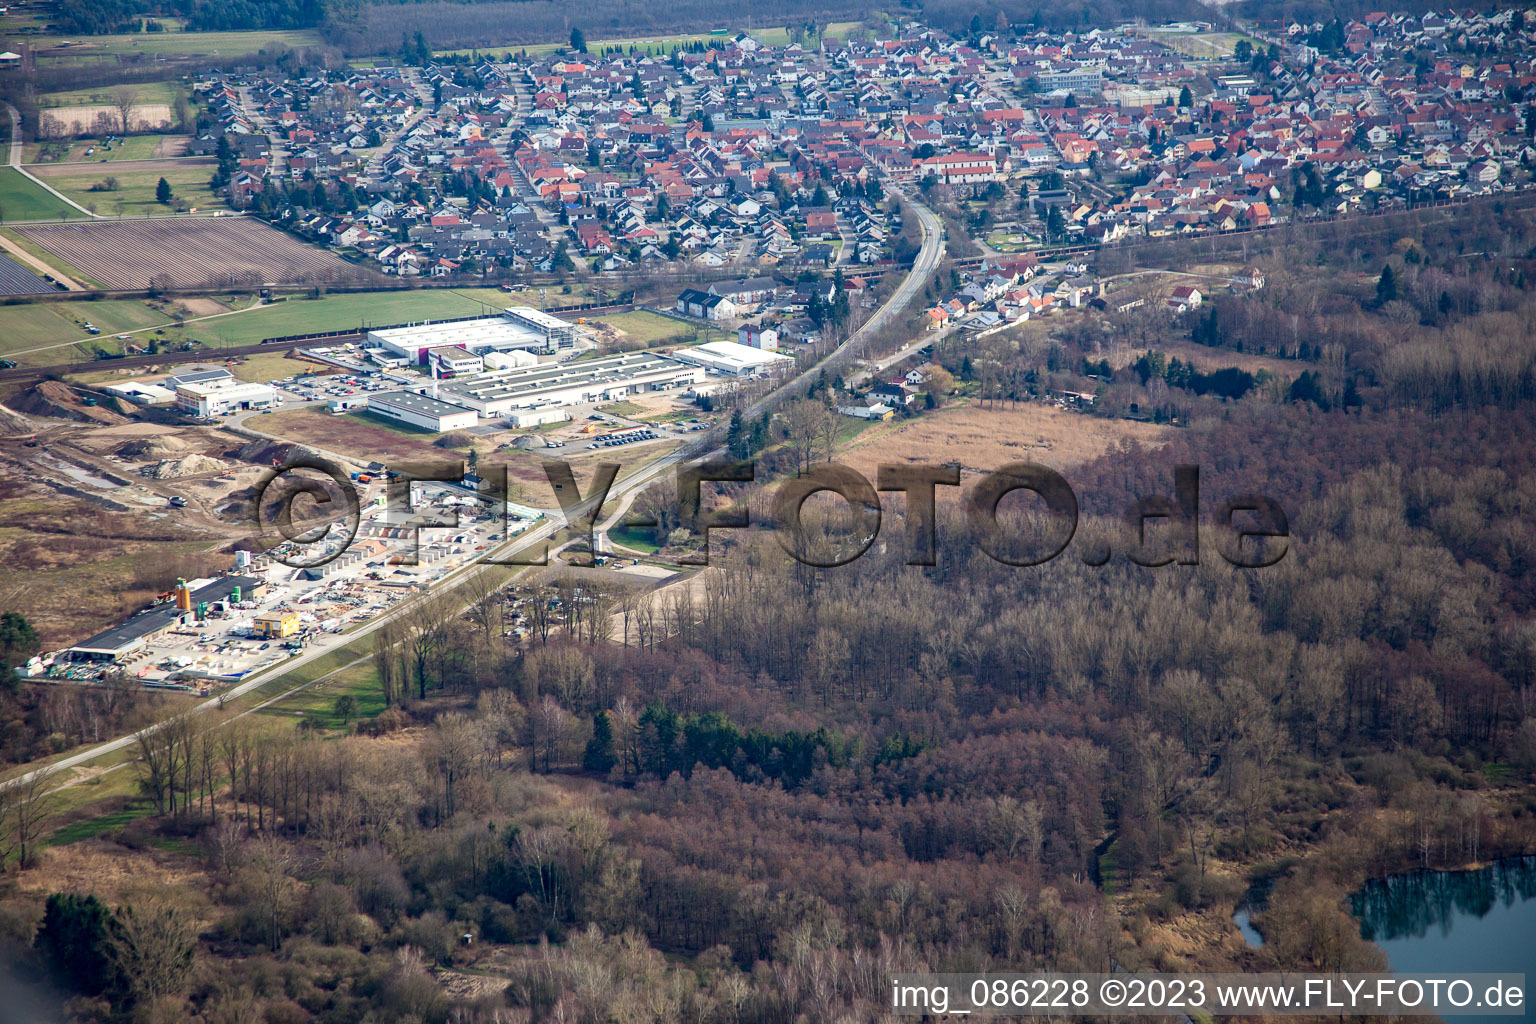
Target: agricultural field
(188,254)
(75,120)
(332,313)
(131,190)
(1203,45)
(651,328)
(35,324)
(22,199)
(983,439)
(16,279)
(134,147)
(143,92)
(77,49)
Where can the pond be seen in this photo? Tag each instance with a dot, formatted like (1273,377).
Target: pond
(1436,921)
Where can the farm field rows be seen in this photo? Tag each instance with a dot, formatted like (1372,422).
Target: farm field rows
(189,253)
(16,279)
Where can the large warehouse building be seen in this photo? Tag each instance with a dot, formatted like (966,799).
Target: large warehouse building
(518,327)
(422,411)
(596,380)
(730,358)
(217,397)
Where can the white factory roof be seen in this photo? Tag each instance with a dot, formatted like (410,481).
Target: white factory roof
(730,357)
(153,394)
(538,317)
(481,333)
(527,381)
(409,401)
(225,388)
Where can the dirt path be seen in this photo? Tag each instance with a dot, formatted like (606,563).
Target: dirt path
(21,255)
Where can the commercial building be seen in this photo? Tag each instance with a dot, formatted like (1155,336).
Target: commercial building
(133,635)
(961,168)
(275,625)
(558,333)
(142,394)
(226,395)
(597,380)
(456,361)
(421,411)
(537,417)
(1077,79)
(732,359)
(518,327)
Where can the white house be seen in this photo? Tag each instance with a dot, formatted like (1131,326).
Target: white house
(1185,297)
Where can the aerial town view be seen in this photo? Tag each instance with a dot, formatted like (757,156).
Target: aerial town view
(796,512)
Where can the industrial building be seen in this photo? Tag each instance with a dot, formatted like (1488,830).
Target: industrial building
(142,394)
(223,395)
(537,417)
(275,625)
(189,603)
(597,380)
(455,361)
(421,411)
(518,327)
(727,357)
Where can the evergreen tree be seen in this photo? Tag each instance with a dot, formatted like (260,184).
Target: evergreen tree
(578,40)
(599,753)
(74,940)
(18,640)
(1386,285)
(1186,98)
(736,440)
(163,192)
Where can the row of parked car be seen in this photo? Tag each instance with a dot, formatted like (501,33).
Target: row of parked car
(614,442)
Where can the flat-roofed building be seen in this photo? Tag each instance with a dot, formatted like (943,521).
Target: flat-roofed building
(456,361)
(478,336)
(730,358)
(129,637)
(422,411)
(275,624)
(558,333)
(217,397)
(597,380)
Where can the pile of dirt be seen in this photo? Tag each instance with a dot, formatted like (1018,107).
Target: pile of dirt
(190,465)
(263,452)
(56,399)
(529,441)
(156,446)
(13,423)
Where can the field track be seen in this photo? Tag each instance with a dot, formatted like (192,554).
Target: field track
(188,253)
